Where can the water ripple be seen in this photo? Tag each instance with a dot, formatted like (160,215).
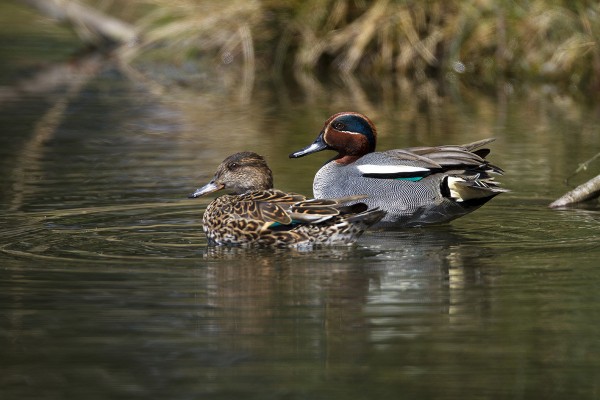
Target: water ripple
(124,232)
(172,231)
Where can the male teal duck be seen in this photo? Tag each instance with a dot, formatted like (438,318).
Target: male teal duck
(256,214)
(415,186)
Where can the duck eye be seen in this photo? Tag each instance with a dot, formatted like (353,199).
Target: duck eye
(232,166)
(340,126)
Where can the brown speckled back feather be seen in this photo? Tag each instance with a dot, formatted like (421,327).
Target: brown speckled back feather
(271,218)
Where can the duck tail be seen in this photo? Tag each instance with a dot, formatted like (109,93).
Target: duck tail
(368,217)
(470,189)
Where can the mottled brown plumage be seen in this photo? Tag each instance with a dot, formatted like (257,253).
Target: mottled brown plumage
(257,214)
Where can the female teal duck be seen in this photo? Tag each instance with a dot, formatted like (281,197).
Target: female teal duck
(415,186)
(255,213)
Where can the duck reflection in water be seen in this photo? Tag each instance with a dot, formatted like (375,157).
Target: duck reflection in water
(397,285)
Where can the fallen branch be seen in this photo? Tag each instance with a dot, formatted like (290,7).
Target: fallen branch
(587,191)
(90,24)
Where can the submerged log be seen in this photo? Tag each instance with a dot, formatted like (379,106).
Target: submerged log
(584,192)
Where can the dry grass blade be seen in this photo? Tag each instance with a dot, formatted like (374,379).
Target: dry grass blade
(556,41)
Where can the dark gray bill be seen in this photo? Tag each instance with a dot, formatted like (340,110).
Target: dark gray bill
(318,145)
(208,188)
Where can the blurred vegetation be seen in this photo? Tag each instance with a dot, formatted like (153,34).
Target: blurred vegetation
(420,66)
(408,43)
(482,40)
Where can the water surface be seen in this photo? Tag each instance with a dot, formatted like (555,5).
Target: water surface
(108,289)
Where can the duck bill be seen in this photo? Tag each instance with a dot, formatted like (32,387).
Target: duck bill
(318,145)
(210,187)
